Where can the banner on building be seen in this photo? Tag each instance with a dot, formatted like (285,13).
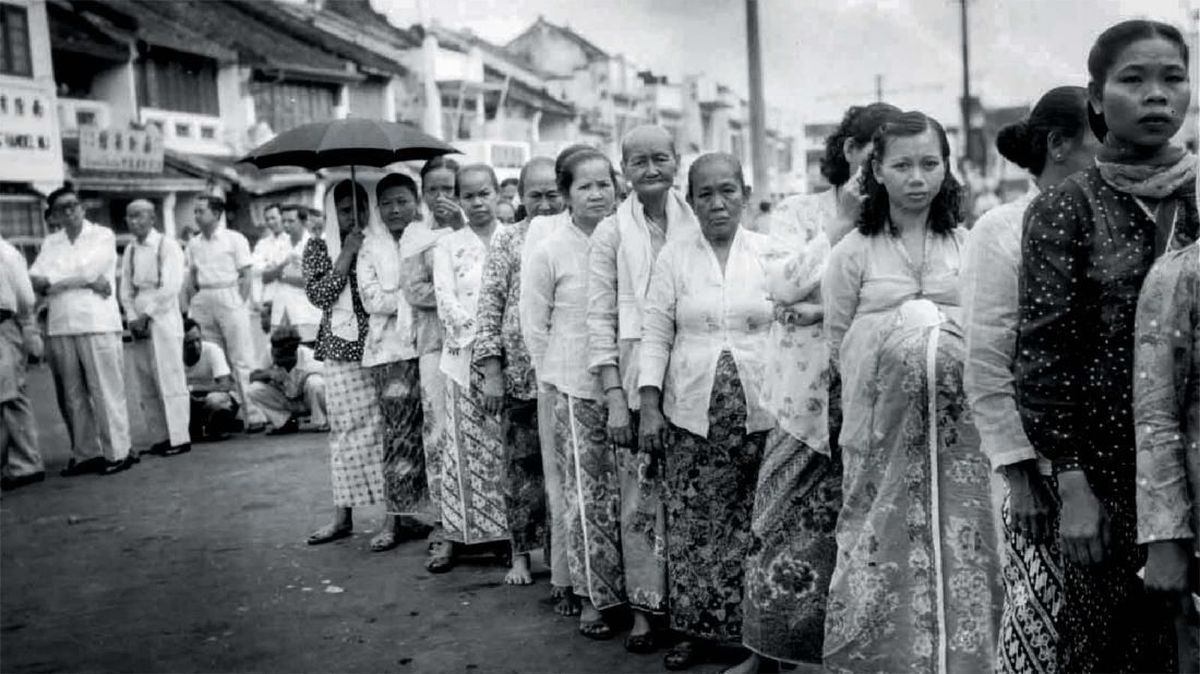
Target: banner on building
(29,144)
(125,150)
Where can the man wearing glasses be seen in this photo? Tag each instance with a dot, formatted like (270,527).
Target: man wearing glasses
(76,271)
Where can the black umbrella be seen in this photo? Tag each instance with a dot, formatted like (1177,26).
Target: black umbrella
(347,142)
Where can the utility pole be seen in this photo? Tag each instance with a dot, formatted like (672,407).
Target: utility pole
(879,88)
(758,132)
(965,135)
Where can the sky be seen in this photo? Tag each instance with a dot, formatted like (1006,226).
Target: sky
(821,56)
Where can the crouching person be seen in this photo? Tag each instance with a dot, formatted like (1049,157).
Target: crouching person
(292,388)
(211,387)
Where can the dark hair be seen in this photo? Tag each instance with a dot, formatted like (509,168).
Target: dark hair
(189,323)
(213,203)
(764,207)
(342,190)
(946,210)
(301,210)
(529,165)
(705,159)
(475,168)
(521,213)
(1061,110)
(60,193)
(442,162)
(396,180)
(1108,48)
(275,205)
(510,181)
(859,124)
(565,174)
(566,153)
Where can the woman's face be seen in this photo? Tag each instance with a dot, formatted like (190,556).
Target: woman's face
(1082,153)
(912,170)
(718,198)
(592,191)
(397,208)
(437,190)
(1145,94)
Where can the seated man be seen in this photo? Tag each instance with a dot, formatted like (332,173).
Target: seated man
(292,387)
(210,383)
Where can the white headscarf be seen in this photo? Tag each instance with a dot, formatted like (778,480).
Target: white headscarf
(343,322)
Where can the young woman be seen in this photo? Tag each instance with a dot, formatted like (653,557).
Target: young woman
(1088,245)
(509,382)
(554,321)
(1052,143)
(704,334)
(355,418)
(915,587)
(799,490)
(391,352)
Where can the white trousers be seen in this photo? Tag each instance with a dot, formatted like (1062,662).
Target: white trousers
(276,407)
(89,380)
(19,453)
(160,385)
(224,318)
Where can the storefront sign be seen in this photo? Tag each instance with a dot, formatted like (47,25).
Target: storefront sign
(29,143)
(123,150)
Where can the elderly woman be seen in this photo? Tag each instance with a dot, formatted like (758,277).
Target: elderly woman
(704,334)
(509,382)
(916,583)
(391,353)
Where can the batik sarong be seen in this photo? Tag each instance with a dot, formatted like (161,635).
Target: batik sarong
(355,435)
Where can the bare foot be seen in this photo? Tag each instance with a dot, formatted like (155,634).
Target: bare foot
(519,573)
(566,603)
(748,666)
(641,624)
(592,625)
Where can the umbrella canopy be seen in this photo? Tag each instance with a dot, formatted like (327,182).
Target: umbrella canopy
(346,142)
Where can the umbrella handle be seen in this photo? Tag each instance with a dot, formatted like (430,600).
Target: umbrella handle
(354,196)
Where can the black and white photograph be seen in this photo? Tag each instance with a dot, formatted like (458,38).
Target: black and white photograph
(569,336)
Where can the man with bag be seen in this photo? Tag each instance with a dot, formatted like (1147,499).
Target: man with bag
(151,276)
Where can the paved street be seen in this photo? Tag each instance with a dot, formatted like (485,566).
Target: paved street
(197,563)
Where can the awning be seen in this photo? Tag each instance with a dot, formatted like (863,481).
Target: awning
(74,34)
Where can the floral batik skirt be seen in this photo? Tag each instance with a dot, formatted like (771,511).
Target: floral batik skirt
(591,500)
(472,489)
(791,560)
(709,483)
(355,435)
(1033,598)
(524,482)
(916,587)
(403,455)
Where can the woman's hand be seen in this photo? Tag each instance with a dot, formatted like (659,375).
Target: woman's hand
(620,431)
(1084,526)
(653,431)
(799,314)
(493,386)
(1167,567)
(1031,506)
(350,247)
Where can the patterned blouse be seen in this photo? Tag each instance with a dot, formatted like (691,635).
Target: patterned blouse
(323,285)
(1166,398)
(1087,248)
(498,321)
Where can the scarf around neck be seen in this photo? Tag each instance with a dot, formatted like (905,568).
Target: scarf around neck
(1173,175)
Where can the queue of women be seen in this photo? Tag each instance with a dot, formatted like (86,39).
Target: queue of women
(786,439)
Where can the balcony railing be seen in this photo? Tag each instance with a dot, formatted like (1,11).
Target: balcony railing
(76,112)
(188,132)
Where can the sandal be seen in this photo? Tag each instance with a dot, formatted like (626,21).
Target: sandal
(383,541)
(641,644)
(597,630)
(329,534)
(566,604)
(682,656)
(441,557)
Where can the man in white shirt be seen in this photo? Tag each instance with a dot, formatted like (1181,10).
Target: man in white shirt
(270,253)
(214,406)
(76,270)
(291,305)
(20,340)
(151,275)
(221,263)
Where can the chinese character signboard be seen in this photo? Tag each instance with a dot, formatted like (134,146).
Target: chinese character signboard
(29,143)
(123,150)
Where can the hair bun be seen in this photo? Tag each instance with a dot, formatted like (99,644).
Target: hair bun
(1015,143)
